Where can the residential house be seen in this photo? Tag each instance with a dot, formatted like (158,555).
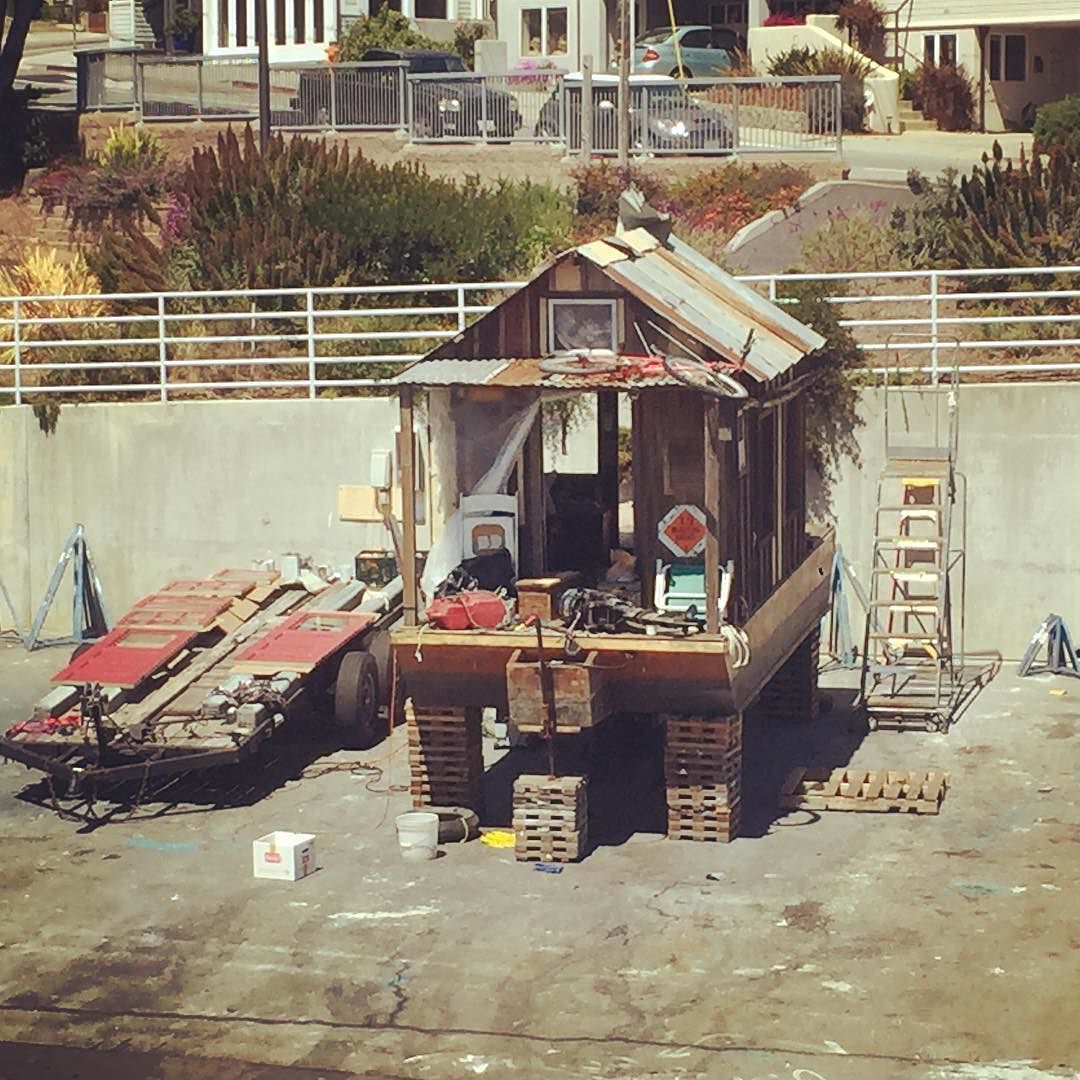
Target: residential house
(1019,53)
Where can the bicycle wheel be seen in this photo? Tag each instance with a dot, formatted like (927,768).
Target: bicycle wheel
(704,377)
(579,363)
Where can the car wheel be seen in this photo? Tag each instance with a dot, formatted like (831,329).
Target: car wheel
(356,700)
(685,73)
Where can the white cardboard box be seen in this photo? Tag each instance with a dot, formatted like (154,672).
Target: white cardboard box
(286,856)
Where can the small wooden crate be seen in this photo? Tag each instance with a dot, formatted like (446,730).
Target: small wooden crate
(578,688)
(551,818)
(539,597)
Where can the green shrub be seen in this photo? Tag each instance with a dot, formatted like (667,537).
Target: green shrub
(945,95)
(907,84)
(1057,123)
(864,21)
(852,69)
(305,213)
(386,29)
(832,400)
(1001,214)
(855,241)
(466,35)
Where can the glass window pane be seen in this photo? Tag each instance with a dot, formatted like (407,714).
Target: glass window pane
(556,31)
(695,39)
(947,49)
(929,50)
(1015,58)
(994,63)
(583,326)
(531,44)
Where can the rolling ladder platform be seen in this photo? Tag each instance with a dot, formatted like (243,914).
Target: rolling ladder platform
(912,673)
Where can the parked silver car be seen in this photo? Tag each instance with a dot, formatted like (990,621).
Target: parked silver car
(705,51)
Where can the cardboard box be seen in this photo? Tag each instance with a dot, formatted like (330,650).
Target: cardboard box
(285,856)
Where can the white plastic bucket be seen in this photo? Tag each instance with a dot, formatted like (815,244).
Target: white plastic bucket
(418,834)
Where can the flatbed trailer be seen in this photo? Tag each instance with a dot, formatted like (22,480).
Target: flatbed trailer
(220,698)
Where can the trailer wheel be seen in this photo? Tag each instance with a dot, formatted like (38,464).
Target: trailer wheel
(356,700)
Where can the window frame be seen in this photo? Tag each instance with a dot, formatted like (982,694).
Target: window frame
(554,303)
(545,11)
(997,67)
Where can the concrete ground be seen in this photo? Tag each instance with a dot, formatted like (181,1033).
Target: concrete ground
(839,947)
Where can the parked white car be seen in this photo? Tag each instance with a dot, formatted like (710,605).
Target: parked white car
(705,51)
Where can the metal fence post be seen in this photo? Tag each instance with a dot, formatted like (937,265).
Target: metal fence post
(586,108)
(163,351)
(333,97)
(838,112)
(404,103)
(18,352)
(736,140)
(199,87)
(311,342)
(483,109)
(933,328)
(460,308)
(140,91)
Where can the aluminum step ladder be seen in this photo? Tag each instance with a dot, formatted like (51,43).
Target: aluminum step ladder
(912,669)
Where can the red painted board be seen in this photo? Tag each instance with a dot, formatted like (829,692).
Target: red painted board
(256,577)
(206,587)
(176,612)
(307,637)
(125,657)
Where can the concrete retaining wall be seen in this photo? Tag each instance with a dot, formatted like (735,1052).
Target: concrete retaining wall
(1018,445)
(181,489)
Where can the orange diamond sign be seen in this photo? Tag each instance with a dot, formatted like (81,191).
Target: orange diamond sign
(682,530)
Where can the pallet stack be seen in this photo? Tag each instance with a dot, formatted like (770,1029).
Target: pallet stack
(551,818)
(446,756)
(702,773)
(792,693)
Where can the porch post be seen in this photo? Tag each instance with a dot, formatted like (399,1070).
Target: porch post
(713,473)
(407,453)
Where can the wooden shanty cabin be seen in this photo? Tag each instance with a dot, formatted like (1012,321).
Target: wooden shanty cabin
(725,589)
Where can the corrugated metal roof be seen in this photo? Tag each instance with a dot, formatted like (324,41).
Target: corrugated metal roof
(708,304)
(685,290)
(449,372)
(525,373)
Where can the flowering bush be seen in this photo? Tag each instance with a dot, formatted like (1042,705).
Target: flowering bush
(783,19)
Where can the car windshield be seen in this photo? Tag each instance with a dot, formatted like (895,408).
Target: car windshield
(654,37)
(424,64)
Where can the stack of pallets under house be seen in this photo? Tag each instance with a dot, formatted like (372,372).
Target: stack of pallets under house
(446,756)
(792,693)
(551,818)
(702,774)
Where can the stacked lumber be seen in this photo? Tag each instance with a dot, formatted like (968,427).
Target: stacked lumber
(792,693)
(879,791)
(446,756)
(551,818)
(702,774)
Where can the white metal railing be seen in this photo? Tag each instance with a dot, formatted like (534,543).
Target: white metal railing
(323,341)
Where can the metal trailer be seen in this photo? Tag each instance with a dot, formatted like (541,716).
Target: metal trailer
(219,699)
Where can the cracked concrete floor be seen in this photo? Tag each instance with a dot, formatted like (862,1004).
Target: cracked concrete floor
(844,947)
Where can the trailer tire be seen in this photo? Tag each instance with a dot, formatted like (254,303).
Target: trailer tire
(356,700)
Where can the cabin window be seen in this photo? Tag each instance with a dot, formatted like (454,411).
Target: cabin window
(582,324)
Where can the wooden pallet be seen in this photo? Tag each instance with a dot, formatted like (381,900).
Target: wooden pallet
(710,826)
(704,732)
(872,791)
(552,847)
(702,796)
(533,790)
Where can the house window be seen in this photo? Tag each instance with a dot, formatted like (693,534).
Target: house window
(543,31)
(939,49)
(1007,58)
(582,324)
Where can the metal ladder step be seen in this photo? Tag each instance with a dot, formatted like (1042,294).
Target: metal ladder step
(913,543)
